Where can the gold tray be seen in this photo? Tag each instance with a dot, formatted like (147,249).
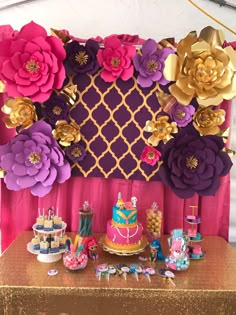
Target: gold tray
(105,247)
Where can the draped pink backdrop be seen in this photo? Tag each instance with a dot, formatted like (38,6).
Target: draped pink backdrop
(20,209)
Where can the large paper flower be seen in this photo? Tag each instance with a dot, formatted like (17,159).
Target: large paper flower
(207,120)
(31,63)
(116,60)
(193,163)
(81,59)
(33,159)
(202,69)
(21,112)
(150,64)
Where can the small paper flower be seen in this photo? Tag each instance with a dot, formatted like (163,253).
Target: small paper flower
(150,64)
(207,120)
(81,59)
(182,115)
(202,69)
(31,63)
(161,130)
(193,163)
(55,109)
(116,60)
(33,159)
(21,112)
(66,133)
(75,153)
(150,155)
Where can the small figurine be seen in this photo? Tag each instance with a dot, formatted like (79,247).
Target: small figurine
(92,249)
(120,202)
(156,251)
(134,201)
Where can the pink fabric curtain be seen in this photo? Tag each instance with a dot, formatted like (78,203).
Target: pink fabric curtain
(20,209)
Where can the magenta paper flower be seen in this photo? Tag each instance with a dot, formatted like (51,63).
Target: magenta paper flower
(6,31)
(31,63)
(150,155)
(33,159)
(116,60)
(150,64)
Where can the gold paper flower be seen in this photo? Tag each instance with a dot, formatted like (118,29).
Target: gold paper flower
(202,69)
(161,130)
(207,120)
(167,101)
(21,112)
(66,132)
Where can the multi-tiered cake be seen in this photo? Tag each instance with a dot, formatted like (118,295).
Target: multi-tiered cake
(124,233)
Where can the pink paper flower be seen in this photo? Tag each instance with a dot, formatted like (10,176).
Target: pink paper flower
(150,155)
(31,63)
(115,60)
(6,31)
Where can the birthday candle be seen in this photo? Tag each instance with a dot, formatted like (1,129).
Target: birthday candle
(39,212)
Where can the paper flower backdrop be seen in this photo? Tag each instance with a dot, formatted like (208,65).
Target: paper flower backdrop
(186,144)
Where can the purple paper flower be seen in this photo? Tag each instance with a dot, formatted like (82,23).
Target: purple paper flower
(75,153)
(182,115)
(33,159)
(193,163)
(81,59)
(55,109)
(150,64)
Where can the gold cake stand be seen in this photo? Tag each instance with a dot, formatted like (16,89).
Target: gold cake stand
(105,247)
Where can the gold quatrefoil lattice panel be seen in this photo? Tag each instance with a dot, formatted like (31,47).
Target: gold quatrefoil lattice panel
(112,118)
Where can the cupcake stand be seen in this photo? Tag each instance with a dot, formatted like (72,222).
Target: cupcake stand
(194,236)
(50,257)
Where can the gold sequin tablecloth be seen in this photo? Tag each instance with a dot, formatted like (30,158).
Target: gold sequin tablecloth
(207,287)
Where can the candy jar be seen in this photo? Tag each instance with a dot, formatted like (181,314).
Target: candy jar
(85,230)
(154,221)
(75,260)
(85,222)
(178,258)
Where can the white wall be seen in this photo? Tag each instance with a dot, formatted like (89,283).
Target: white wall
(149,18)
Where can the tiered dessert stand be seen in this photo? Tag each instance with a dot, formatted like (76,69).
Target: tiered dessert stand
(50,257)
(193,220)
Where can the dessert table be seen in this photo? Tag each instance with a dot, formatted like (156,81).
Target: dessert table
(207,287)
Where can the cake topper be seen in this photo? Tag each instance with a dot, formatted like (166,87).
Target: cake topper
(134,201)
(120,202)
